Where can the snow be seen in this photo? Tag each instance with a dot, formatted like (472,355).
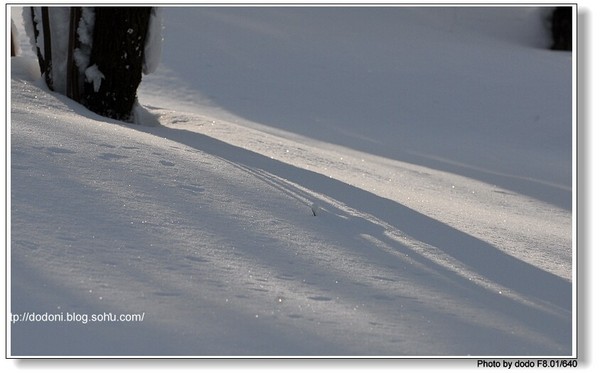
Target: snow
(94,76)
(85,30)
(305,182)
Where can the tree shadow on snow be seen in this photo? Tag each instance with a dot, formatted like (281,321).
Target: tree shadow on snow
(481,257)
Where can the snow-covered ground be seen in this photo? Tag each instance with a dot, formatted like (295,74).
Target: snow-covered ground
(305,181)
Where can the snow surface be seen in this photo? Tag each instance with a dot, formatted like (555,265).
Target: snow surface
(435,146)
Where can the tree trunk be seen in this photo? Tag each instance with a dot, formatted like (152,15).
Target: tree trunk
(12,45)
(116,61)
(47,48)
(45,59)
(562,29)
(72,69)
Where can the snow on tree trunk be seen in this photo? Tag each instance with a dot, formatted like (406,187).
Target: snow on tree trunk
(85,35)
(96,55)
(30,23)
(116,61)
(15,48)
(47,27)
(37,26)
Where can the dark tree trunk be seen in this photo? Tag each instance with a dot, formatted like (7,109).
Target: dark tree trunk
(47,48)
(73,91)
(12,45)
(562,29)
(118,53)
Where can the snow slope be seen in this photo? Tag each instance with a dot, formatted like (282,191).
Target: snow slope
(428,86)
(436,146)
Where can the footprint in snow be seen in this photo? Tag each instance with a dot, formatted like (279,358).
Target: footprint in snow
(57,150)
(192,188)
(320,298)
(111,156)
(167,163)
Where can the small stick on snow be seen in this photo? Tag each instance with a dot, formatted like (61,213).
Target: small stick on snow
(315,208)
